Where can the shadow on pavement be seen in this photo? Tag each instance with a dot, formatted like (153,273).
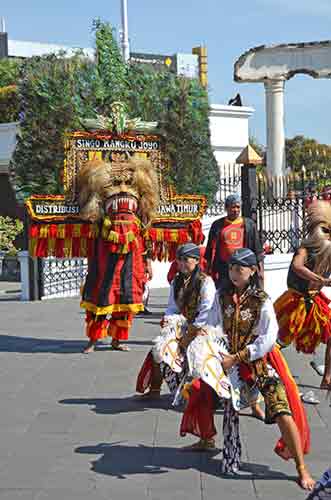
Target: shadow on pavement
(139,342)
(105,344)
(12,343)
(115,406)
(123,461)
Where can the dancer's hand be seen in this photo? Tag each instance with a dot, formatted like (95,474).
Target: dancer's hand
(228,362)
(163,322)
(184,342)
(201,331)
(149,269)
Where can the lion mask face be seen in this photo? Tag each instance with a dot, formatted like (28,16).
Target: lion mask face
(104,186)
(121,181)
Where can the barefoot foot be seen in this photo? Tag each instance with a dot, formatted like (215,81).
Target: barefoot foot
(116,346)
(202,445)
(89,348)
(326,383)
(151,394)
(305,480)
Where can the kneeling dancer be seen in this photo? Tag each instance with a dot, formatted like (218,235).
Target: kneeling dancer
(192,295)
(246,316)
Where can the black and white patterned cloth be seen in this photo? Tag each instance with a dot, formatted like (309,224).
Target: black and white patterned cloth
(175,381)
(322,490)
(232,445)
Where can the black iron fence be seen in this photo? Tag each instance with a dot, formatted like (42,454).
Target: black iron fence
(279,204)
(280,222)
(282,203)
(229,182)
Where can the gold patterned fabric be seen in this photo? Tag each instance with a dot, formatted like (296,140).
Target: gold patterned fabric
(241,316)
(240,319)
(188,294)
(275,399)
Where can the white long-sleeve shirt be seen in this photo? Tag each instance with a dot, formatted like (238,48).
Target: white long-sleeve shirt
(207,299)
(266,330)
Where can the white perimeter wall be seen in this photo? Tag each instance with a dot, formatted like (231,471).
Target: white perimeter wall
(229,131)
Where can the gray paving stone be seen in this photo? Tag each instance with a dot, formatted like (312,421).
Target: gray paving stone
(71,494)
(18,494)
(70,428)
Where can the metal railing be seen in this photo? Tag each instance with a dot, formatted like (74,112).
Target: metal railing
(61,277)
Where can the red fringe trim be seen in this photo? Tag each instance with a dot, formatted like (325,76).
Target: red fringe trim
(77,240)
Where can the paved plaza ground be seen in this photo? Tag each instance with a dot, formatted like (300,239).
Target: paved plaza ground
(71,429)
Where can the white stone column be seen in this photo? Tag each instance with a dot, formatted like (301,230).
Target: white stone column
(274,91)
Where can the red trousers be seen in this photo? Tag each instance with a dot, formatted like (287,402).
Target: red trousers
(117,326)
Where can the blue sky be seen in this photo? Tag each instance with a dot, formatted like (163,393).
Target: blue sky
(228,28)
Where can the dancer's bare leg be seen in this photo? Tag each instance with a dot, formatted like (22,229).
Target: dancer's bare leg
(257,411)
(326,381)
(291,438)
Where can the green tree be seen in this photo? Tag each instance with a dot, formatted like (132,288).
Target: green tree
(110,69)
(9,101)
(305,151)
(9,71)
(181,107)
(9,104)
(9,230)
(194,168)
(48,111)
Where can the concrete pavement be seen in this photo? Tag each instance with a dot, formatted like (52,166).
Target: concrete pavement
(70,428)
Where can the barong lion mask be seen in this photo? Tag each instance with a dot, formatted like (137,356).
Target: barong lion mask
(318,239)
(111,187)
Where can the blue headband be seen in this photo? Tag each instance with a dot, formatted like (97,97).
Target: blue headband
(232,199)
(188,250)
(243,257)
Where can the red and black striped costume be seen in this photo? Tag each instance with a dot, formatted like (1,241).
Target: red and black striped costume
(113,289)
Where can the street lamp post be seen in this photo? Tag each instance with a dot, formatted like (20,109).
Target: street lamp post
(3,39)
(125,31)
